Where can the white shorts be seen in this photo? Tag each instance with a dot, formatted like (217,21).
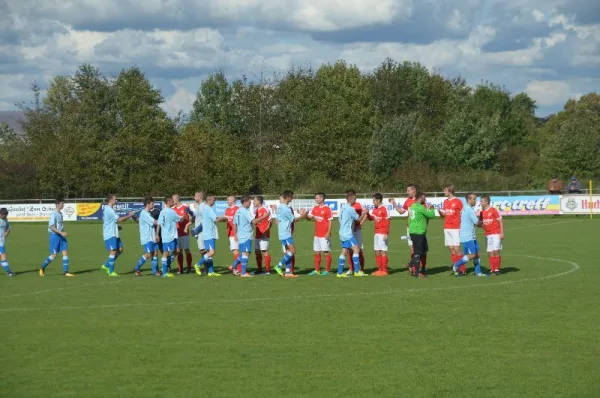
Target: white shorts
(183,242)
(233,244)
(321,244)
(261,244)
(452,237)
(200,242)
(494,243)
(379,243)
(408,240)
(358,235)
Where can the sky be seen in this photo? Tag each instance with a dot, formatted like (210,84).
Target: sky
(549,49)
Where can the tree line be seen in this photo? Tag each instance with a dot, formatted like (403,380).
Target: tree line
(307,130)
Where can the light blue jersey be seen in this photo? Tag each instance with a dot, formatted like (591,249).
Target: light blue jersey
(243,222)
(56,221)
(4,226)
(209,226)
(110,220)
(468,221)
(347,217)
(168,220)
(147,231)
(285,216)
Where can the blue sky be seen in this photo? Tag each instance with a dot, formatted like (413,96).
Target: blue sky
(547,48)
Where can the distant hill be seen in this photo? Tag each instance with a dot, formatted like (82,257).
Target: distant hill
(13,119)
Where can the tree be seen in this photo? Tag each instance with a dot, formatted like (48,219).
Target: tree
(213,102)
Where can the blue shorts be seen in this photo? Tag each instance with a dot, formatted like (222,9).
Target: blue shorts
(471,247)
(2,250)
(348,244)
(170,246)
(150,247)
(246,247)
(286,242)
(113,244)
(58,244)
(210,244)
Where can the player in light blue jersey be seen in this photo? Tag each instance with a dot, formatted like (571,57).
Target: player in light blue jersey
(148,238)
(348,216)
(243,225)
(58,240)
(468,238)
(167,227)
(110,232)
(285,221)
(4,232)
(210,236)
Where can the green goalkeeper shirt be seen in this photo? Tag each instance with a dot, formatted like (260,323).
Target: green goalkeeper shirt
(417,221)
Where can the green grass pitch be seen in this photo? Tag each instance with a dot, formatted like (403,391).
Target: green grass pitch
(533,331)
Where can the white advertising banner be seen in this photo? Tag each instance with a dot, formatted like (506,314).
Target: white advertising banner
(580,204)
(38,212)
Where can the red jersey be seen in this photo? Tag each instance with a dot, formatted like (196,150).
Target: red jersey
(181,212)
(293,222)
(406,206)
(323,216)
(381,216)
(491,221)
(263,228)
(452,207)
(229,213)
(359,210)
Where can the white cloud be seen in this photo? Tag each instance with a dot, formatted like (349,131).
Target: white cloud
(550,92)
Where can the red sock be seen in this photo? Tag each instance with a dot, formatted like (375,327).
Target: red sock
(328,260)
(361,259)
(188,259)
(350,261)
(423,261)
(180,262)
(293,264)
(378,262)
(267,262)
(498,261)
(318,262)
(384,263)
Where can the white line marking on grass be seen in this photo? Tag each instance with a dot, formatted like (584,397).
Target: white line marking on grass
(59,289)
(574,267)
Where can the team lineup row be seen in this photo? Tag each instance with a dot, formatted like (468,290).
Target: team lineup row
(168,232)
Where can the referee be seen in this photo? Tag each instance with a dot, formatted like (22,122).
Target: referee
(417,229)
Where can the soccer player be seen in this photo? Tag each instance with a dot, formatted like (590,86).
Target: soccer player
(348,216)
(358,233)
(233,243)
(285,220)
(262,235)
(155,213)
(493,226)
(411,191)
(468,238)
(243,224)
(167,226)
(4,232)
(210,236)
(183,236)
(110,232)
(58,240)
(417,229)
(323,217)
(200,204)
(451,211)
(148,238)
(381,216)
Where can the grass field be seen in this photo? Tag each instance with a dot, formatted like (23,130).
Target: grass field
(533,331)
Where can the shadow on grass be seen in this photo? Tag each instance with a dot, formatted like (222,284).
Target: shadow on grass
(31,271)
(439,270)
(507,270)
(87,271)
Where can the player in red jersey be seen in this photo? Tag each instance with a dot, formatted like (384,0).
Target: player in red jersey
(451,210)
(232,208)
(358,235)
(322,216)
(493,226)
(183,237)
(411,191)
(381,216)
(262,235)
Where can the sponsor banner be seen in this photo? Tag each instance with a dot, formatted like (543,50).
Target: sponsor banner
(38,212)
(580,204)
(94,211)
(525,205)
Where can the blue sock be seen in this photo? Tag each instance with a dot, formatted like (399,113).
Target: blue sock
(165,267)
(462,261)
(202,260)
(356,261)
(140,262)
(209,263)
(477,264)
(285,261)
(46,262)
(110,263)
(237,262)
(341,264)
(65,264)
(154,265)
(244,262)
(5,266)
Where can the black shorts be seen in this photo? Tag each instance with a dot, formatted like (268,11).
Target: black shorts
(420,246)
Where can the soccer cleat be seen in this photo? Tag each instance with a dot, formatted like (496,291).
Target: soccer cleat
(279,270)
(198,270)
(188,270)
(213,274)
(42,272)
(496,272)
(349,272)
(454,269)
(315,272)
(157,273)
(341,275)
(68,274)
(422,275)
(105,269)
(138,273)
(246,275)
(290,275)
(360,274)
(236,272)
(481,274)
(324,273)
(168,275)
(11,274)
(379,273)
(113,274)
(267,273)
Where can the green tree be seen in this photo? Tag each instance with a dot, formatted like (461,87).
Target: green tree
(213,104)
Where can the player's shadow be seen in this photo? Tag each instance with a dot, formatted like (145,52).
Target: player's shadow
(31,271)
(439,270)
(87,271)
(507,270)
(392,271)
